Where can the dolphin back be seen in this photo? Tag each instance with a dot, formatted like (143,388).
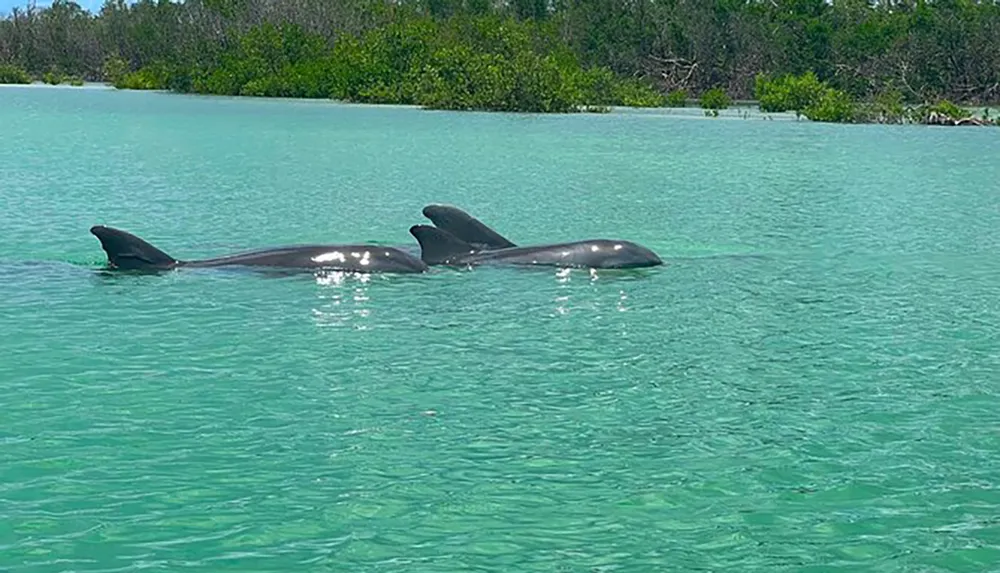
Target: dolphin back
(128,252)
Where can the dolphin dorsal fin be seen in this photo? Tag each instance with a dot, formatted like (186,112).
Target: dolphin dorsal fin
(439,247)
(465,227)
(128,252)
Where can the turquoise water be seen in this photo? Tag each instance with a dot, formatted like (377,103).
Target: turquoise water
(811,383)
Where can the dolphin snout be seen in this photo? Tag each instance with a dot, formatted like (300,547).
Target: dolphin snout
(654,259)
(641,256)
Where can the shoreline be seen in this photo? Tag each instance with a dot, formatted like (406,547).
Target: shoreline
(743,109)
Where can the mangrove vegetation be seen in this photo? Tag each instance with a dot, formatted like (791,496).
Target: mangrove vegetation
(840,60)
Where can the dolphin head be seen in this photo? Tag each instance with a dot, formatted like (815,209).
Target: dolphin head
(400,261)
(611,254)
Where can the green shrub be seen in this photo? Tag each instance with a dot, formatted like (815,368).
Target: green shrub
(715,99)
(677,98)
(807,95)
(636,93)
(461,79)
(11,74)
(54,78)
(789,92)
(833,106)
(945,108)
(153,77)
(114,69)
(889,106)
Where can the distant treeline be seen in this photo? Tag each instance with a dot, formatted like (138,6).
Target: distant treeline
(535,55)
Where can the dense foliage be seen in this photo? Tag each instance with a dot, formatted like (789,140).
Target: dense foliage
(484,62)
(546,55)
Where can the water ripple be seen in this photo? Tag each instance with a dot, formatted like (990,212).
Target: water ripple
(809,383)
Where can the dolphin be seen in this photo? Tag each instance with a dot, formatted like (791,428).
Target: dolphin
(127,252)
(465,227)
(440,247)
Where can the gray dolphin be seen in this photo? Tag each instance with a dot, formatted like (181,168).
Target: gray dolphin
(127,252)
(440,247)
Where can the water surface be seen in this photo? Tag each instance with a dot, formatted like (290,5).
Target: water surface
(809,384)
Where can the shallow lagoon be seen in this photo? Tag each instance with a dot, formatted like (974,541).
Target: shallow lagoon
(810,383)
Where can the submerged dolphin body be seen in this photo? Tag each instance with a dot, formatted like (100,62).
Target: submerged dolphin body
(127,252)
(439,247)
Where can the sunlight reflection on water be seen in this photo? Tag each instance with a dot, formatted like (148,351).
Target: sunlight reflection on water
(343,300)
(568,292)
